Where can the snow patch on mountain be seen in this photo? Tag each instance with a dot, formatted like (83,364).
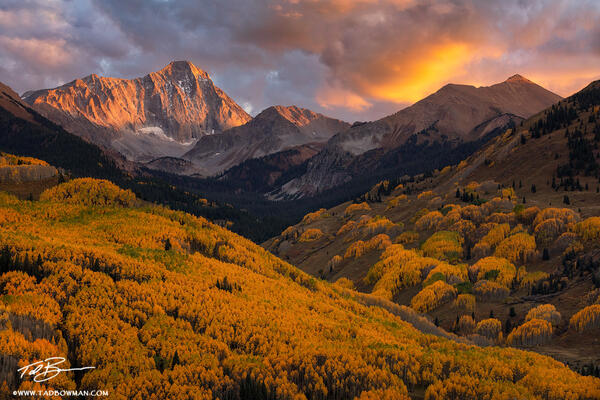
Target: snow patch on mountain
(160,134)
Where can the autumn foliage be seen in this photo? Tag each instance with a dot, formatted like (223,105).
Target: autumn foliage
(444,245)
(488,243)
(534,332)
(433,296)
(490,291)
(565,216)
(496,269)
(359,248)
(518,248)
(546,312)
(7,160)
(466,325)
(589,229)
(354,208)
(89,192)
(490,328)
(429,221)
(345,282)
(587,319)
(465,301)
(315,216)
(310,235)
(165,304)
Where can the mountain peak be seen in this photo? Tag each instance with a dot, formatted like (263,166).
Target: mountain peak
(518,79)
(91,78)
(159,114)
(179,67)
(294,114)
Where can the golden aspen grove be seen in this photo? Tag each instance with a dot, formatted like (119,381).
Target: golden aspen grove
(167,305)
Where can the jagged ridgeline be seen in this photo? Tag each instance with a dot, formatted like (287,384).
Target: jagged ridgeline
(165,304)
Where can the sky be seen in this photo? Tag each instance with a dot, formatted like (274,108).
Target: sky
(356,60)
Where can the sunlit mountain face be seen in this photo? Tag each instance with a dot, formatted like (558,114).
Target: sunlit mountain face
(307,200)
(161,114)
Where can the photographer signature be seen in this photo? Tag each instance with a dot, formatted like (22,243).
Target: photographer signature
(43,371)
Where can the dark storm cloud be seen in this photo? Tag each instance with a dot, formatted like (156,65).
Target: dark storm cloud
(355,59)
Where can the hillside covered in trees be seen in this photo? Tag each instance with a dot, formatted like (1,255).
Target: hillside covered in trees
(503,248)
(168,305)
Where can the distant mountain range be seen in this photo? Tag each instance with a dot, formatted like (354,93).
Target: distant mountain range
(454,115)
(176,120)
(552,154)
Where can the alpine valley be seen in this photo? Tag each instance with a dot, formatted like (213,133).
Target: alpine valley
(155,232)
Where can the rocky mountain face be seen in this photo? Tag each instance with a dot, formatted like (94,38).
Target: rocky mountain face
(275,129)
(161,114)
(454,115)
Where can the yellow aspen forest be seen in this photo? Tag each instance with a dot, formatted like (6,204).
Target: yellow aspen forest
(587,319)
(490,328)
(433,296)
(546,312)
(164,304)
(499,249)
(354,208)
(310,235)
(470,260)
(534,332)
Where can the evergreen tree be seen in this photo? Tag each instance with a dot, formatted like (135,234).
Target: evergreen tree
(508,327)
(176,360)
(545,255)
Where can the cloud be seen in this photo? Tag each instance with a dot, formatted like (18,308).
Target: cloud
(354,59)
(331,97)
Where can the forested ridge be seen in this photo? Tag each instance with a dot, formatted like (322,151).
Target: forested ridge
(168,305)
(502,248)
